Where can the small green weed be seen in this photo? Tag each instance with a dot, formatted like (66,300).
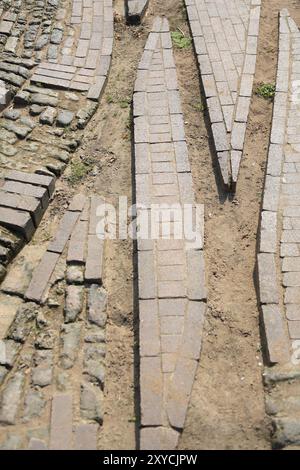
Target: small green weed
(180,40)
(266,90)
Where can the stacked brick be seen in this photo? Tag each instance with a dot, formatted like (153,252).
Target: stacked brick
(225,37)
(278,258)
(171,275)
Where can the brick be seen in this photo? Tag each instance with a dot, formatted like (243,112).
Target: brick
(215,110)
(97,204)
(268,232)
(151,388)
(78,202)
(36,444)
(158,438)
(186,188)
(181,156)
(291,279)
(86,437)
(193,328)
(61,423)
(149,328)
(34,179)
(170,343)
(172,307)
(24,203)
(246,85)
(271,193)
(17,220)
(174,289)
(41,277)
(291,264)
(64,232)
(276,338)
(94,260)
(179,392)
(294,329)
(78,243)
(220,137)
(275,158)
(238,135)
(268,288)
(196,288)
(95,91)
(27,190)
(242,109)
(147,281)
(293,312)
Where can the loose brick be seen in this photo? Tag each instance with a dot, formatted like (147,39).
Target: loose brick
(41,277)
(64,232)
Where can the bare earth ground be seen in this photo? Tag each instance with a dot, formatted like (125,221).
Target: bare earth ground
(227,405)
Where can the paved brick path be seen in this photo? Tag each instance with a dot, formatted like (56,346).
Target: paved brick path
(82,64)
(278,258)
(53,341)
(171,280)
(225,38)
(62,45)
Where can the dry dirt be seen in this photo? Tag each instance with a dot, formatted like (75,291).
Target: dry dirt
(227,404)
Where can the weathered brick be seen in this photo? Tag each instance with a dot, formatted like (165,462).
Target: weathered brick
(41,277)
(86,437)
(179,391)
(276,337)
(268,287)
(61,423)
(151,386)
(64,232)
(147,278)
(149,328)
(94,260)
(34,179)
(17,220)
(158,438)
(27,190)
(192,333)
(78,243)
(196,285)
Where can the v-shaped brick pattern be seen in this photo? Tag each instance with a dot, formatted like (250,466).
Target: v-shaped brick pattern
(225,34)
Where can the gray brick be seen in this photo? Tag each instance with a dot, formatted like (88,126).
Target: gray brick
(33,178)
(64,232)
(268,232)
(179,392)
(242,109)
(94,260)
(276,337)
(149,328)
(271,193)
(41,277)
(238,135)
(275,159)
(151,384)
(27,190)
(147,281)
(196,284)
(17,220)
(267,275)
(61,423)
(220,137)
(193,328)
(158,438)
(86,437)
